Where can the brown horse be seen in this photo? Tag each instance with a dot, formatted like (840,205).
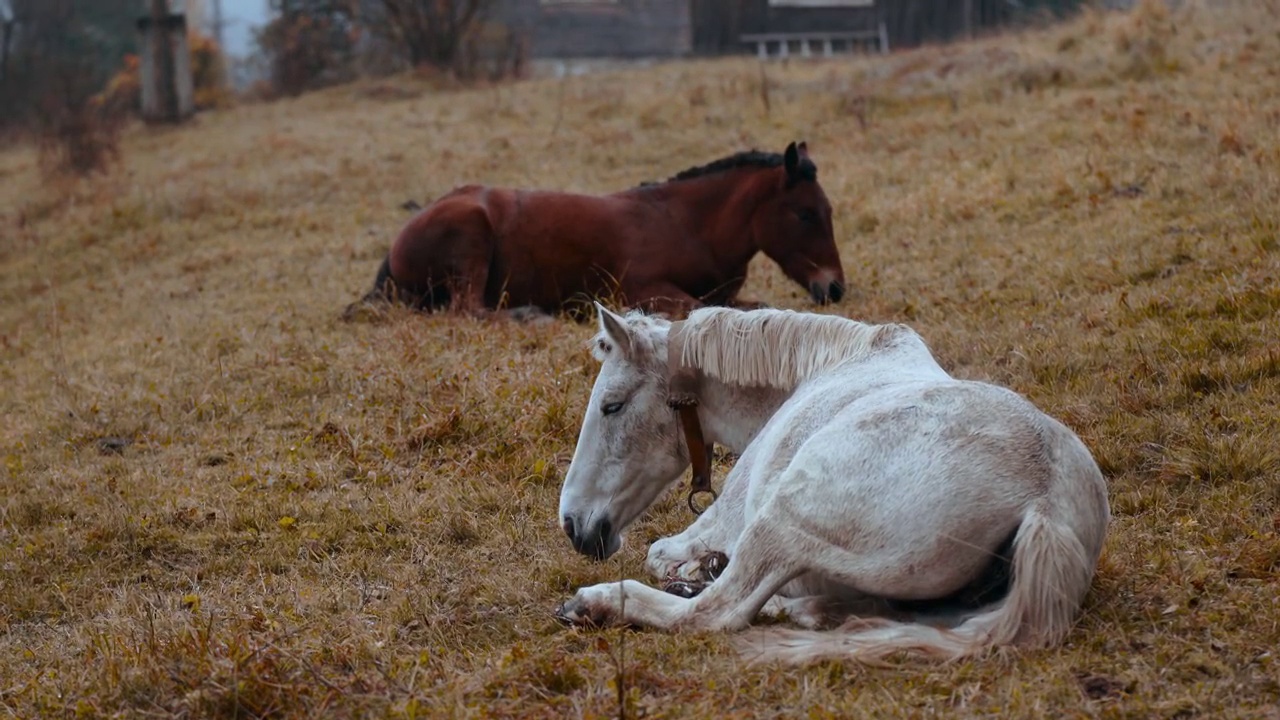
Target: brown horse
(665,247)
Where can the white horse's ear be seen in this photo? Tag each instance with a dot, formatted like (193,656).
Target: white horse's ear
(614,328)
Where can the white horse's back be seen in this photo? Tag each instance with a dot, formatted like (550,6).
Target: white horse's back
(926,466)
(943,474)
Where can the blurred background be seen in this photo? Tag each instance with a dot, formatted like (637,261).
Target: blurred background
(72,71)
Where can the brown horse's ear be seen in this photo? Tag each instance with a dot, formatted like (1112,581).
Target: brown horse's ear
(683,389)
(791,161)
(803,149)
(615,329)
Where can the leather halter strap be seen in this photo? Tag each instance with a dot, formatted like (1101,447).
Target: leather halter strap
(699,456)
(683,397)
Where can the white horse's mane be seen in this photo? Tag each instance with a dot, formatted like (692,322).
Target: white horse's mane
(777,348)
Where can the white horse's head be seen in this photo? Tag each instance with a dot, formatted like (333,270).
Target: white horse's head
(630,448)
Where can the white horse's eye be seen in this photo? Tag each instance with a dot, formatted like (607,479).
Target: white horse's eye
(611,408)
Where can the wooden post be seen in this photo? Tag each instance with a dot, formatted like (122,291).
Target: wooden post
(7,23)
(5,42)
(968,19)
(224,74)
(217,27)
(167,92)
(162,56)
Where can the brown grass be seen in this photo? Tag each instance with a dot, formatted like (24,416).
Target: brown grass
(219,500)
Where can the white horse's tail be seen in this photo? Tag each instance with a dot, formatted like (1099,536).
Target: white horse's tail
(1052,572)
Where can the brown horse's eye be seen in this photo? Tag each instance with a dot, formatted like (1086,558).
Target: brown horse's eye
(808,216)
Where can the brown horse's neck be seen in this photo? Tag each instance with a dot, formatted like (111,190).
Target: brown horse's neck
(719,207)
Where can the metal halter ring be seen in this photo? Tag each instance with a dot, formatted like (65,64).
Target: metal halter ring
(696,492)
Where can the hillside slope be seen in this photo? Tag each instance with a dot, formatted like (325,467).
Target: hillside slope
(220,500)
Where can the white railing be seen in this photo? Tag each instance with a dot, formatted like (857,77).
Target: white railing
(825,42)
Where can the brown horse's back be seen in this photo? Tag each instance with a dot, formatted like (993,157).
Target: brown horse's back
(532,248)
(558,246)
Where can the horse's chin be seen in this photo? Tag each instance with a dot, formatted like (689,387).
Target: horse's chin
(611,546)
(826,293)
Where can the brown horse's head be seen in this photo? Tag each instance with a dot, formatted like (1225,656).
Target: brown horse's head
(793,227)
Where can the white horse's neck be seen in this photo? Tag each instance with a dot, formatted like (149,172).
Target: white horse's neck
(732,416)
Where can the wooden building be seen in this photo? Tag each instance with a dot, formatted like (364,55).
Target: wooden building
(680,28)
(785,27)
(599,28)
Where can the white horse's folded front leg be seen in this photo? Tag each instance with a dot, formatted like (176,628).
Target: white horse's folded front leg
(623,603)
(764,564)
(715,531)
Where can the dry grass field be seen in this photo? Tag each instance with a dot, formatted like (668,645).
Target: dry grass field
(220,500)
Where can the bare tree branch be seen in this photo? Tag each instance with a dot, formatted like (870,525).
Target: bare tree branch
(431,31)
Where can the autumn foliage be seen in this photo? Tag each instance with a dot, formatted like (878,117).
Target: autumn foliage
(123,92)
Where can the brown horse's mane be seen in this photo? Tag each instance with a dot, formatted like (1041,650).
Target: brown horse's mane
(746,158)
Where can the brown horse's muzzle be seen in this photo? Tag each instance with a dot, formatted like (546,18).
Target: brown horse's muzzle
(826,292)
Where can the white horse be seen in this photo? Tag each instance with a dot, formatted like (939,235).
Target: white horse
(868,478)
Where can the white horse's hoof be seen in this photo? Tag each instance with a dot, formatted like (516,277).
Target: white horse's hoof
(692,577)
(683,588)
(712,565)
(704,569)
(575,613)
(587,608)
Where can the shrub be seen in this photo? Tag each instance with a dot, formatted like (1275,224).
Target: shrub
(492,52)
(208,71)
(78,137)
(309,44)
(53,74)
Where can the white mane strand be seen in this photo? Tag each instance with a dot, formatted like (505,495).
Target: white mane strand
(775,348)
